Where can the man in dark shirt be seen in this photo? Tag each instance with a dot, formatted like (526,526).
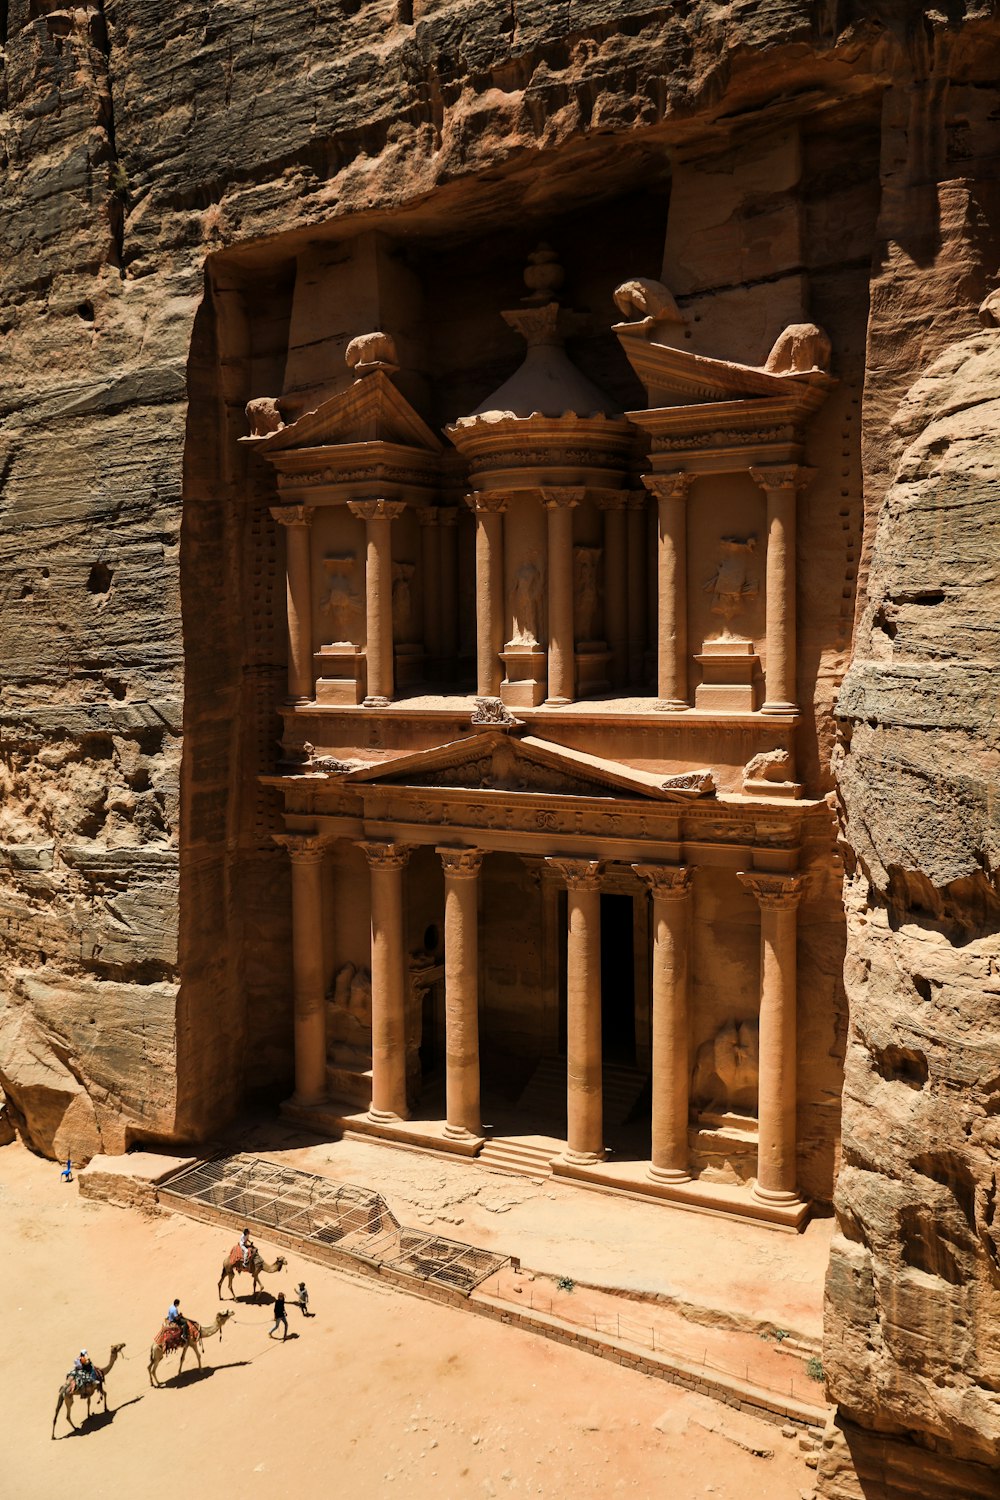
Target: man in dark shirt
(280,1316)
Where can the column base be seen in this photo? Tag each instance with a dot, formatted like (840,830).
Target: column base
(668,1174)
(774,1195)
(376,701)
(461,1135)
(384,1116)
(582,1158)
(297,701)
(779,708)
(307,1101)
(556,702)
(671,705)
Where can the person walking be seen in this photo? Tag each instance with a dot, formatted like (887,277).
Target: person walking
(280,1316)
(66,1175)
(303,1299)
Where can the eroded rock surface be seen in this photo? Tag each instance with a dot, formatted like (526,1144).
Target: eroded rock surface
(913,1296)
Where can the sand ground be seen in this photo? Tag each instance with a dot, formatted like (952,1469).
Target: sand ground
(379,1394)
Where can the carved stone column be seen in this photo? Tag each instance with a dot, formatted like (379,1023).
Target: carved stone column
(637,502)
(386,862)
(671,491)
(781,485)
(559,569)
(584,1070)
(308,975)
(613,503)
(378,516)
(671,1070)
(778,897)
(297,520)
(430,578)
(461,991)
(448,528)
(488,510)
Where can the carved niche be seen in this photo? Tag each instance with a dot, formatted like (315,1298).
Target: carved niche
(342,605)
(726,1070)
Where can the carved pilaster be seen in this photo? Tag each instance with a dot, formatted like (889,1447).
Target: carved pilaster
(488,508)
(448,528)
(461,991)
(388,958)
(614,504)
(671,493)
(378,516)
(671,1063)
(777,896)
(559,502)
(638,501)
(781,484)
(297,519)
(308,969)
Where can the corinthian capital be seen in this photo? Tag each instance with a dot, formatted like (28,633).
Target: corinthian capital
(562,497)
(382,854)
(303,848)
(486,502)
(781,892)
(292,515)
(460,864)
(376,510)
(579,874)
(782,477)
(673,486)
(667,882)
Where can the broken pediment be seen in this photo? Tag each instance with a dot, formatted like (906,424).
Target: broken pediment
(371,410)
(494,761)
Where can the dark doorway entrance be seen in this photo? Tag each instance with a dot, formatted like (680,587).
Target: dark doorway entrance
(617,980)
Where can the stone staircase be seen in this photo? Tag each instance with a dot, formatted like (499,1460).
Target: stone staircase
(521,1158)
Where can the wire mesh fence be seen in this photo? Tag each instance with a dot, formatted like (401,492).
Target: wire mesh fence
(321,1212)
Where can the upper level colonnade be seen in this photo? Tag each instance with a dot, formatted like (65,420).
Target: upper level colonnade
(647,556)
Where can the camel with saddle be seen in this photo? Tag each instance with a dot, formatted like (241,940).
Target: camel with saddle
(85,1385)
(189,1335)
(255,1264)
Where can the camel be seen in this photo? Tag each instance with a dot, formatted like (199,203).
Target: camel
(197,1334)
(85,1389)
(257,1267)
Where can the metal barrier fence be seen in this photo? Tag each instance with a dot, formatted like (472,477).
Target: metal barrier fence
(321,1212)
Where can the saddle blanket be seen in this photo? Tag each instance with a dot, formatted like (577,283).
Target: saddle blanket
(169,1337)
(236,1258)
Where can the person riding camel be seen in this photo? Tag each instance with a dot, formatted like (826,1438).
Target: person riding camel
(246,1246)
(85,1370)
(176,1319)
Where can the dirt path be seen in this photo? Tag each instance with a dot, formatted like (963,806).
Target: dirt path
(377,1395)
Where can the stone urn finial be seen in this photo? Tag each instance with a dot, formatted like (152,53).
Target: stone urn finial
(543,275)
(371,351)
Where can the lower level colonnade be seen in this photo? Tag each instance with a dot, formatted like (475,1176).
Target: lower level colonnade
(670,888)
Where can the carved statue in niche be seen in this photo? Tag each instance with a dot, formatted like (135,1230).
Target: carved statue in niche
(341,603)
(586,561)
(402,602)
(524,598)
(726,1070)
(352,992)
(734,583)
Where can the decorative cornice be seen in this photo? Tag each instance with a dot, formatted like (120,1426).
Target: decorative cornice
(667,882)
(774,892)
(669,486)
(782,476)
(303,848)
(579,874)
(381,854)
(293,515)
(460,864)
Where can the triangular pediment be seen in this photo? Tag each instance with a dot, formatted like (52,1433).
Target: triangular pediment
(371,410)
(494,761)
